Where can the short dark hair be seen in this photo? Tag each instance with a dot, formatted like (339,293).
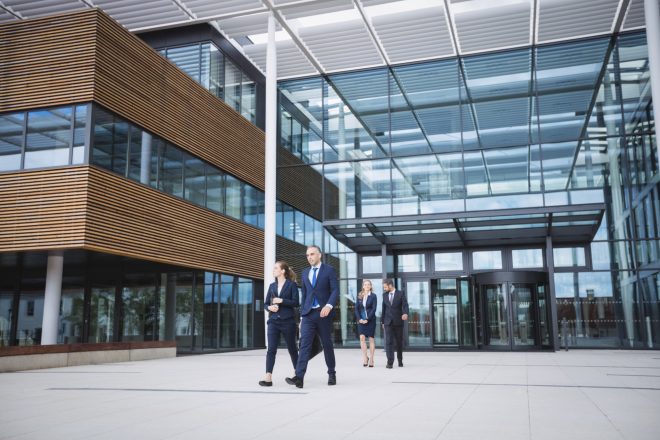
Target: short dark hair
(388,281)
(316,247)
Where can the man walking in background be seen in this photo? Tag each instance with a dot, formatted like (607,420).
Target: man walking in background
(394,312)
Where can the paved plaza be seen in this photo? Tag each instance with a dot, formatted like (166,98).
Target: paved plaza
(468,395)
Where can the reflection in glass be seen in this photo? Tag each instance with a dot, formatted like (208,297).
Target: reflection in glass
(445,311)
(48,137)
(484,260)
(527,258)
(139,317)
(411,263)
(70,329)
(11,141)
(102,314)
(567,257)
(448,261)
(419,319)
(30,316)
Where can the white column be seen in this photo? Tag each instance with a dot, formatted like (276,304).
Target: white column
(145,158)
(52,298)
(652,20)
(270,183)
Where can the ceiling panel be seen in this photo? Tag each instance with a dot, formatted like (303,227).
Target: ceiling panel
(341,46)
(635,16)
(141,14)
(290,60)
(316,8)
(38,8)
(563,19)
(414,34)
(210,8)
(245,25)
(492,25)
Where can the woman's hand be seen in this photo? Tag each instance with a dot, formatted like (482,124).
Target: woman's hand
(273,308)
(277,300)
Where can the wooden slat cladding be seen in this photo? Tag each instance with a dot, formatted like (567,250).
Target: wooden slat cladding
(47,61)
(43,209)
(126,218)
(85,56)
(93,209)
(299,186)
(140,85)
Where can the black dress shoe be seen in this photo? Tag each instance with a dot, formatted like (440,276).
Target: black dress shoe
(400,363)
(295,380)
(332,379)
(265,383)
(388,366)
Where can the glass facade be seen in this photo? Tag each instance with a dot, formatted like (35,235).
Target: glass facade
(539,159)
(129,300)
(214,70)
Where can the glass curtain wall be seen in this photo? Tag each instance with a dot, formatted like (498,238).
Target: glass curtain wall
(212,69)
(540,127)
(128,300)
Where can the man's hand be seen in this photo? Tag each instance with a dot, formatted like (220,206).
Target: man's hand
(325,311)
(277,300)
(404,317)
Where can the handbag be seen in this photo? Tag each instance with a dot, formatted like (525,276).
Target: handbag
(317,346)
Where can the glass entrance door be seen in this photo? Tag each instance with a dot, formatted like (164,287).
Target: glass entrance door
(512,311)
(445,311)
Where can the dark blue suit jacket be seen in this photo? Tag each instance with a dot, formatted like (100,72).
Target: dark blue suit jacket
(289,295)
(326,290)
(372,304)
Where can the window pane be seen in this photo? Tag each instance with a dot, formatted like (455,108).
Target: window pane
(70,329)
(214,189)
(245,312)
(446,261)
(48,137)
(232,85)
(138,298)
(300,227)
(102,314)
(227,312)
(288,222)
(137,136)
(523,258)
(567,257)
(11,141)
(79,135)
(187,59)
(410,263)
(232,197)
(110,141)
(217,72)
(250,205)
(486,260)
(374,264)
(171,171)
(248,100)
(195,180)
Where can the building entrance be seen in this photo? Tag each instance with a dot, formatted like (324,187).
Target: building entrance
(513,310)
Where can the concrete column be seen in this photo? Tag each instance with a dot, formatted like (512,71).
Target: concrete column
(145,158)
(52,298)
(652,20)
(270,205)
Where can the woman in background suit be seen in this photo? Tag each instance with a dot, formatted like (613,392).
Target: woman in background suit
(282,299)
(365,313)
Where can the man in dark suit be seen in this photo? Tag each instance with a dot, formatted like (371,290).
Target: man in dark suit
(320,291)
(394,312)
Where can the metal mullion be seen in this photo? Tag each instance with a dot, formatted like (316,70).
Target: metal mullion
(89,133)
(72,132)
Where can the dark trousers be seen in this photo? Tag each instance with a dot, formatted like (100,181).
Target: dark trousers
(286,328)
(394,336)
(311,325)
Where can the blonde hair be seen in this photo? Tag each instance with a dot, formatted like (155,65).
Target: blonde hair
(364,292)
(289,274)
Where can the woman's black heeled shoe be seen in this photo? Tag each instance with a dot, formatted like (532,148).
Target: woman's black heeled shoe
(265,383)
(366,363)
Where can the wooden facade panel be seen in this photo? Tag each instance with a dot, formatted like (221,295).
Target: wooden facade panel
(142,86)
(93,209)
(43,209)
(126,218)
(47,61)
(86,56)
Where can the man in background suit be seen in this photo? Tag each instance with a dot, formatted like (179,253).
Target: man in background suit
(394,312)
(320,291)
